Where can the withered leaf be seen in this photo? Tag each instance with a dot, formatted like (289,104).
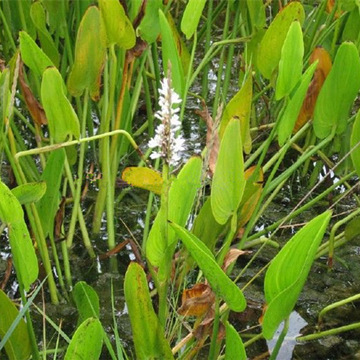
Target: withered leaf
(196,301)
(36,110)
(232,256)
(322,70)
(212,137)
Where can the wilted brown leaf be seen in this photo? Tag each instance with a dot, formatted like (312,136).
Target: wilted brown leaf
(212,137)
(322,70)
(232,256)
(36,110)
(197,301)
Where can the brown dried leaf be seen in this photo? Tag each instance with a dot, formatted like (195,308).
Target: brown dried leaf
(212,137)
(322,70)
(36,110)
(59,218)
(197,301)
(232,256)
(114,251)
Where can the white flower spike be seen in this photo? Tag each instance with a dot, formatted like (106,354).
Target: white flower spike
(169,142)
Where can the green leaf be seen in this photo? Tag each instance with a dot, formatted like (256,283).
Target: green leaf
(5,96)
(293,107)
(49,203)
(90,54)
(148,335)
(119,29)
(352,26)
(206,228)
(32,55)
(149,28)
(38,17)
(240,107)
(86,342)
(18,345)
(338,92)
(352,229)
(291,61)
(269,52)
(30,192)
(62,119)
(86,300)
(181,199)
(191,17)
(144,178)
(229,181)
(25,260)
(257,14)
(219,281)
(235,349)
(288,271)
(171,55)
(355,141)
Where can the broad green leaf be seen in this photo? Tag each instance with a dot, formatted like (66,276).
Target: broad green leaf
(181,198)
(180,44)
(206,227)
(30,192)
(229,181)
(291,61)
(219,281)
(87,341)
(355,141)
(149,28)
(288,271)
(338,92)
(293,107)
(240,107)
(191,17)
(148,335)
(269,52)
(62,119)
(22,249)
(49,203)
(257,14)
(55,11)
(90,53)
(171,55)
(235,349)
(352,229)
(38,17)
(119,29)
(32,55)
(86,300)
(143,178)
(18,346)
(352,27)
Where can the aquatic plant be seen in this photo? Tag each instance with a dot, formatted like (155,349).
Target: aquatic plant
(88,90)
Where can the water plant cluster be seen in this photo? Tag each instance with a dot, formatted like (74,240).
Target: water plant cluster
(96,84)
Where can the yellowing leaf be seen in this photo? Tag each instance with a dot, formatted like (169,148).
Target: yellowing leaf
(90,52)
(269,52)
(119,29)
(143,178)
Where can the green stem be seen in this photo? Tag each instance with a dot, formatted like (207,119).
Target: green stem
(77,195)
(334,331)
(213,345)
(336,305)
(280,340)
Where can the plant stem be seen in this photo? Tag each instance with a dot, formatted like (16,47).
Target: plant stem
(280,340)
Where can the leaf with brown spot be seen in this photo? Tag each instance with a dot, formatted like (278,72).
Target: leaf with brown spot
(197,301)
(232,256)
(36,110)
(322,70)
